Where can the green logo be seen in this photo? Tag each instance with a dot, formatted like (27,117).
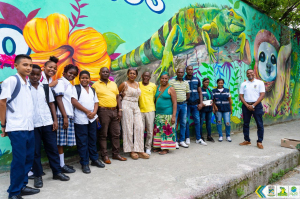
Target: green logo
(283,192)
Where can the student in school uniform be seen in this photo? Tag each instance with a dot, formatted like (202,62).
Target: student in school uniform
(65,132)
(16,116)
(44,128)
(85,102)
(50,69)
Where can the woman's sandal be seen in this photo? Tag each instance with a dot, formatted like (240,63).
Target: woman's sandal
(163,152)
(156,150)
(134,155)
(143,155)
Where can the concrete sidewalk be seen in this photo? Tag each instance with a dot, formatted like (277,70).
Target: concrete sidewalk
(213,171)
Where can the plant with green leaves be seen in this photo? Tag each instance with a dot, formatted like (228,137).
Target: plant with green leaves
(208,73)
(236,104)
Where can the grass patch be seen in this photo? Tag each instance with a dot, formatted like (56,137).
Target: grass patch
(277,176)
(240,192)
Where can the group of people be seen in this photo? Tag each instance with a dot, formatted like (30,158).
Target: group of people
(34,109)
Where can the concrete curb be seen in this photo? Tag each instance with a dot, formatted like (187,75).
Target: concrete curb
(249,181)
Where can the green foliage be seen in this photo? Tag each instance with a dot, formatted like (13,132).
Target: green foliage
(277,176)
(113,41)
(240,192)
(283,11)
(209,73)
(198,5)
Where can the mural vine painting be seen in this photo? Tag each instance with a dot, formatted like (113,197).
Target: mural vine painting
(220,39)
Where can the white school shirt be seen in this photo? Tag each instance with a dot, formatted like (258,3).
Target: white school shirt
(252,90)
(65,88)
(87,100)
(22,118)
(44,80)
(42,113)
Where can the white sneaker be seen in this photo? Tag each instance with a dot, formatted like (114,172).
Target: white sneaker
(202,142)
(188,141)
(148,151)
(220,139)
(177,146)
(228,139)
(183,144)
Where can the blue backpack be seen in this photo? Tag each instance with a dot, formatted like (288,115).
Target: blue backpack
(14,94)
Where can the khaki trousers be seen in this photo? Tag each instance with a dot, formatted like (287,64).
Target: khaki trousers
(148,122)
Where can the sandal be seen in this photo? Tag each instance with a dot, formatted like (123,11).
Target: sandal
(156,150)
(163,152)
(143,155)
(134,155)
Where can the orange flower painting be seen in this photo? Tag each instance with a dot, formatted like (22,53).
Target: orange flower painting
(85,48)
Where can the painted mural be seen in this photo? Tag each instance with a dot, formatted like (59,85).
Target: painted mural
(219,38)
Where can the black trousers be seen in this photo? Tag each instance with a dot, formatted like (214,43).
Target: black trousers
(49,139)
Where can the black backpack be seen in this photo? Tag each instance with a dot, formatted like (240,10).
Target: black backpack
(78,90)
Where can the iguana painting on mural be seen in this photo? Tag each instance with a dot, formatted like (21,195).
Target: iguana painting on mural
(220,39)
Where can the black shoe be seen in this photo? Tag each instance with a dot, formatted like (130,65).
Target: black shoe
(38,182)
(32,176)
(203,139)
(209,138)
(61,177)
(29,191)
(66,169)
(16,197)
(71,167)
(98,163)
(86,169)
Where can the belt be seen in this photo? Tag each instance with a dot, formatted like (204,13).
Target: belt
(250,103)
(108,108)
(184,102)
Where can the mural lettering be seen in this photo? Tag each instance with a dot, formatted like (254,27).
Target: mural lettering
(157,6)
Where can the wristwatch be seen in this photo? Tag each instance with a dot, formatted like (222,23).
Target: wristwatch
(3,126)
(253,106)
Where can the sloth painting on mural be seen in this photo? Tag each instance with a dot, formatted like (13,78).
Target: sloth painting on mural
(272,66)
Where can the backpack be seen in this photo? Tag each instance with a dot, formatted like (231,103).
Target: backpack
(14,94)
(78,90)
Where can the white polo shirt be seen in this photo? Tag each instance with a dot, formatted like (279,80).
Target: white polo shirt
(44,80)
(87,100)
(42,113)
(65,88)
(22,118)
(252,90)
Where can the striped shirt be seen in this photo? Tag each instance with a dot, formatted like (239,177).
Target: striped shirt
(181,88)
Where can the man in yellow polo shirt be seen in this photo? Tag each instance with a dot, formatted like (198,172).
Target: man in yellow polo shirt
(147,107)
(109,114)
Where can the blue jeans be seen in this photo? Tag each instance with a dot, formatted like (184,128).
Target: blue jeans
(86,138)
(258,116)
(195,113)
(22,143)
(226,117)
(49,139)
(181,113)
(206,116)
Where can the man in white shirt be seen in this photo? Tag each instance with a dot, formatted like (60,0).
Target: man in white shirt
(252,92)
(16,118)
(44,128)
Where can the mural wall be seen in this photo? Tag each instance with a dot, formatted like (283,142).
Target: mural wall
(220,39)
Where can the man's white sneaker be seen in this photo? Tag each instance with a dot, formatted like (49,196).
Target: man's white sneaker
(202,142)
(183,144)
(148,151)
(188,141)
(220,139)
(177,146)
(228,139)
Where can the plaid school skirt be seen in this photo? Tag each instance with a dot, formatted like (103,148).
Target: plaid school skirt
(65,137)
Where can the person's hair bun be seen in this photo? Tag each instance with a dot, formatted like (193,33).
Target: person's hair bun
(54,59)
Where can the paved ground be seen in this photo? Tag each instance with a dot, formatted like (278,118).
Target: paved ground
(184,173)
(291,178)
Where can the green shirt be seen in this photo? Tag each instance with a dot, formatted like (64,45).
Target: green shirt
(181,88)
(164,104)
